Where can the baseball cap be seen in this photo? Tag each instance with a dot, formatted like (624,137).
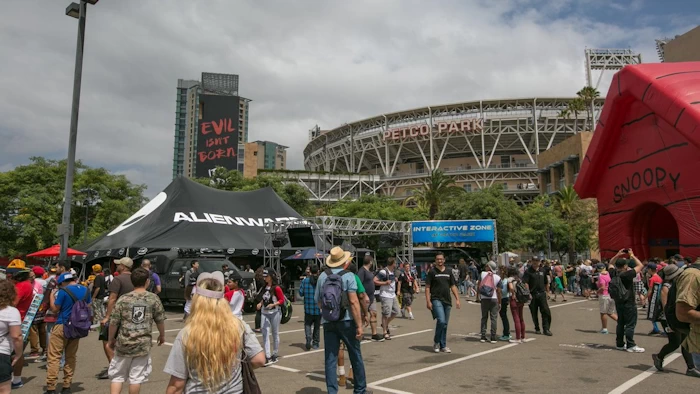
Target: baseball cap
(235,276)
(492,265)
(651,266)
(266,273)
(38,271)
(677,257)
(65,277)
(600,266)
(125,261)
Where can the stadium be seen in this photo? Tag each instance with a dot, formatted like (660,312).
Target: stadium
(477,143)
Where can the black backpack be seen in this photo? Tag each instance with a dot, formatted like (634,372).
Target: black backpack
(617,289)
(522,294)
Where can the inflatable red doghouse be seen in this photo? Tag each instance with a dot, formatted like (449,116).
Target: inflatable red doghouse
(643,163)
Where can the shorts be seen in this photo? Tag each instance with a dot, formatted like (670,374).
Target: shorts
(137,369)
(606,304)
(372,307)
(98,311)
(5,368)
(639,288)
(585,283)
(390,306)
(406,299)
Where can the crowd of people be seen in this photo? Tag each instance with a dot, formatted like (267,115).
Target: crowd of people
(339,299)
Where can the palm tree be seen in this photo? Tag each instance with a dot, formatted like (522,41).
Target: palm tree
(588,94)
(567,202)
(565,113)
(575,106)
(435,190)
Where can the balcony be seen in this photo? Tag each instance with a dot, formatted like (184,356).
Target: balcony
(513,167)
(549,188)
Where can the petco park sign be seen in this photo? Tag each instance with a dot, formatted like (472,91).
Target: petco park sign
(472,125)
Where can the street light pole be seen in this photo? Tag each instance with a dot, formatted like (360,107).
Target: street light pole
(65,228)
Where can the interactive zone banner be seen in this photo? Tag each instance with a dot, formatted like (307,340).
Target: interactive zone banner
(453,231)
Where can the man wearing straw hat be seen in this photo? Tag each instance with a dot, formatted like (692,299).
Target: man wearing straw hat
(348,326)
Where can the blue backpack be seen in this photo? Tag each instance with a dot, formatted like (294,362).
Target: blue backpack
(334,301)
(78,324)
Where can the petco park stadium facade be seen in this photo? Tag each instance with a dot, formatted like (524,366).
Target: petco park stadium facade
(478,143)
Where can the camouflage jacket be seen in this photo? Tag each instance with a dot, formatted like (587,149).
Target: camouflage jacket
(134,315)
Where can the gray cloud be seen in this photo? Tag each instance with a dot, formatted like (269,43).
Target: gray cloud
(302,63)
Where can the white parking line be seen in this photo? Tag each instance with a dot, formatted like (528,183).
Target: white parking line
(567,303)
(284,368)
(639,378)
(316,375)
(281,332)
(436,366)
(363,342)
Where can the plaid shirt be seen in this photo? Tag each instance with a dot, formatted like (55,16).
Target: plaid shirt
(306,290)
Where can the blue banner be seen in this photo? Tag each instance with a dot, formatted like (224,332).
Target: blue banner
(453,231)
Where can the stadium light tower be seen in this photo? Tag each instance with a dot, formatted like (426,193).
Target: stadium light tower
(607,60)
(78,11)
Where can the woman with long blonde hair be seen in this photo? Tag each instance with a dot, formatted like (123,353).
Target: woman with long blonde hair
(207,353)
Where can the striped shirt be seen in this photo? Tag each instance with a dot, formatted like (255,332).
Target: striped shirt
(307,290)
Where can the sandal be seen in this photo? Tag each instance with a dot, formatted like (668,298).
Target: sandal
(387,337)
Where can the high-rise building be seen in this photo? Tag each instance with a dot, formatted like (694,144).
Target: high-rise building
(264,155)
(213,101)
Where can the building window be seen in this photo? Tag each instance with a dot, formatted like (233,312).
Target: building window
(505,186)
(468,187)
(255,153)
(505,161)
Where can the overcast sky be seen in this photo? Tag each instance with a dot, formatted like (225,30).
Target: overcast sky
(302,63)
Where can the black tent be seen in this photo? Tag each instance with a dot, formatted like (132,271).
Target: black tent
(189,215)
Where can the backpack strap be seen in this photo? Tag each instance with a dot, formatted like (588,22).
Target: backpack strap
(70,293)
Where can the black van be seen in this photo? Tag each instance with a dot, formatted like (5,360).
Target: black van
(170,265)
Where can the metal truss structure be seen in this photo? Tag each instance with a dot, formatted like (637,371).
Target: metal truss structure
(608,60)
(661,47)
(327,228)
(220,84)
(516,127)
(332,187)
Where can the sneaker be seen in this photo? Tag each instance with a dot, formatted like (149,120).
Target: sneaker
(436,347)
(17,385)
(548,333)
(274,358)
(377,338)
(257,330)
(268,361)
(694,372)
(33,355)
(307,346)
(505,338)
(515,341)
(654,332)
(635,349)
(445,350)
(493,339)
(623,347)
(483,339)
(538,332)
(410,317)
(658,362)
(604,331)
(103,375)
(316,346)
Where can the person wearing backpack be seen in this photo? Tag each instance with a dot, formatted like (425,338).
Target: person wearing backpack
(154,285)
(518,297)
(536,283)
(621,290)
(490,293)
(336,295)
(69,299)
(687,307)
(675,337)
(270,300)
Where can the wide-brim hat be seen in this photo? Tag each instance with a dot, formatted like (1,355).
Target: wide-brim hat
(671,271)
(338,257)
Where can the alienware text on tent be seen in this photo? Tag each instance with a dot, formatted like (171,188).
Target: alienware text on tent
(224,219)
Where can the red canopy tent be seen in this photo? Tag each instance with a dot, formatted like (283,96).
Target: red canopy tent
(55,251)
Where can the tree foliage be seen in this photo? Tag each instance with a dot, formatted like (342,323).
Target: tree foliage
(488,203)
(31,204)
(437,189)
(232,180)
(375,207)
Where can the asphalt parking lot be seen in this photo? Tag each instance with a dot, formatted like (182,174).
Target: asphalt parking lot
(576,359)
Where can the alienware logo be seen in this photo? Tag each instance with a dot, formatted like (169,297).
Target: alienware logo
(142,213)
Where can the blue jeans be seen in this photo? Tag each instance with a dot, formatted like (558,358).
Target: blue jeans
(441,313)
(333,333)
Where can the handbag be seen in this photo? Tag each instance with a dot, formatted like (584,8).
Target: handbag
(250,382)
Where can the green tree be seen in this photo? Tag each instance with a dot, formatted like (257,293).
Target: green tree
(488,203)
(588,94)
(539,218)
(232,180)
(31,204)
(375,207)
(579,217)
(575,106)
(437,189)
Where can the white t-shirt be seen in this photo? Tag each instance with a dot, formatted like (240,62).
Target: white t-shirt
(8,317)
(236,304)
(387,291)
(496,283)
